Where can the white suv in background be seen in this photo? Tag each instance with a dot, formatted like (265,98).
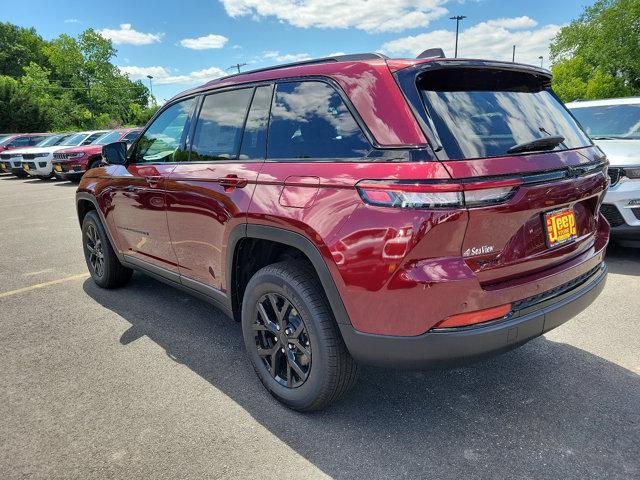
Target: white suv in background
(37,161)
(614,125)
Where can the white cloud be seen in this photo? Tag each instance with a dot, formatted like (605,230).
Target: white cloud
(368,15)
(336,54)
(204,43)
(513,23)
(493,40)
(289,57)
(127,35)
(163,76)
(72,20)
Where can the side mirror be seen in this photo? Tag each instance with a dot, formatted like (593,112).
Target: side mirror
(115,153)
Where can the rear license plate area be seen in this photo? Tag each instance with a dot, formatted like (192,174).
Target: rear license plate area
(560,226)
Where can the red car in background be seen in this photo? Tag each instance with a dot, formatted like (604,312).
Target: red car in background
(71,163)
(10,141)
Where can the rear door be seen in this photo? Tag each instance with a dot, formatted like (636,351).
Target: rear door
(209,195)
(530,206)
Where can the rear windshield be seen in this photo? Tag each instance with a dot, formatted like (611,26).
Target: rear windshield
(3,138)
(484,113)
(610,121)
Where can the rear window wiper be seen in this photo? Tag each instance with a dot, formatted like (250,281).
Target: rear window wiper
(539,144)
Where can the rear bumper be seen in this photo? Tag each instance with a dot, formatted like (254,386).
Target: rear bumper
(464,345)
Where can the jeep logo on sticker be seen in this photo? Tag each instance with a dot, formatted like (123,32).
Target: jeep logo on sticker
(474,251)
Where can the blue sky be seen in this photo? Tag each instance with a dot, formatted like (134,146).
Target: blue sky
(183,43)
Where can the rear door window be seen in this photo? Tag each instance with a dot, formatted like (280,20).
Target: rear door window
(310,120)
(219,128)
(480,113)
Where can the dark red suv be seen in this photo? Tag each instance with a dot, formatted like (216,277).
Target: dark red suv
(360,209)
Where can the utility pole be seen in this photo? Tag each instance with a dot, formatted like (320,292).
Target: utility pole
(150,77)
(513,55)
(237,65)
(457,18)
(541,58)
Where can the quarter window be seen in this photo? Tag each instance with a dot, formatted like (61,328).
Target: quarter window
(219,128)
(163,140)
(255,130)
(310,120)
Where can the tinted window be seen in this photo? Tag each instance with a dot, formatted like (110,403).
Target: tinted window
(163,140)
(610,121)
(36,140)
(310,120)
(219,128)
(484,114)
(255,130)
(130,137)
(20,142)
(92,138)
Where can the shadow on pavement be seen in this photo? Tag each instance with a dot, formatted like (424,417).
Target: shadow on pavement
(623,260)
(546,410)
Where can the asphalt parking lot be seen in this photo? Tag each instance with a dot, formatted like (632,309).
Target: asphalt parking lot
(149,382)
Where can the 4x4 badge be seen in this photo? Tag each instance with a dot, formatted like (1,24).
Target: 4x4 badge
(473,251)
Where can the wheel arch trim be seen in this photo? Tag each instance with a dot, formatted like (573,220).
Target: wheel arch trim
(295,240)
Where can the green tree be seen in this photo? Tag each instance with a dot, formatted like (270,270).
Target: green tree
(598,54)
(65,84)
(18,48)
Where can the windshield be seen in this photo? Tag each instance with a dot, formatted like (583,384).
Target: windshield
(610,121)
(487,113)
(4,138)
(74,140)
(107,138)
(48,141)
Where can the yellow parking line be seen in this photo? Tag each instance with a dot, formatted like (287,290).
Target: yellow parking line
(43,285)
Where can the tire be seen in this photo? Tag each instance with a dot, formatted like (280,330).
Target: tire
(330,370)
(109,273)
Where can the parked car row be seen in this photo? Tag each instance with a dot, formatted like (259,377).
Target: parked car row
(66,156)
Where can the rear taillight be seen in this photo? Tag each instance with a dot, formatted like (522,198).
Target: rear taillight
(415,194)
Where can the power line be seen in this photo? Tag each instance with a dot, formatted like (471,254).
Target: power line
(237,65)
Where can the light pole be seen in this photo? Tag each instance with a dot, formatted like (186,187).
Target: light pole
(150,77)
(457,18)
(541,58)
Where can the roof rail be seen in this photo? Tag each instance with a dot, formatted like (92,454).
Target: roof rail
(353,57)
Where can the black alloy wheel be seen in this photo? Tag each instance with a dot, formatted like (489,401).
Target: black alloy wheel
(282,340)
(95,250)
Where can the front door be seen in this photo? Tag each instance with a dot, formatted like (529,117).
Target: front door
(139,193)
(210,194)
